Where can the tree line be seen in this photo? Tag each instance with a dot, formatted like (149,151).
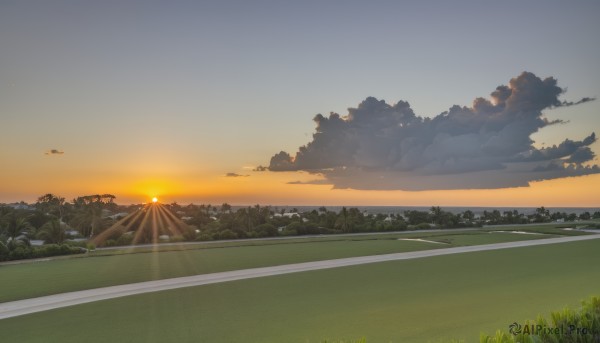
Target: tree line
(58,223)
(49,220)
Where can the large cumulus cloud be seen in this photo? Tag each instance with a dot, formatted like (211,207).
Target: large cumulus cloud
(487,145)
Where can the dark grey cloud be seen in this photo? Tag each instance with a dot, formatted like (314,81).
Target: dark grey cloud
(564,149)
(282,162)
(581,155)
(260,169)
(235,175)
(487,145)
(54,152)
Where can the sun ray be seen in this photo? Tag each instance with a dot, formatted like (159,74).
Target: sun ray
(159,219)
(132,217)
(152,218)
(172,224)
(155,233)
(142,227)
(178,221)
(167,223)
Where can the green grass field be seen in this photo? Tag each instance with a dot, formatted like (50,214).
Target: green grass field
(431,299)
(63,275)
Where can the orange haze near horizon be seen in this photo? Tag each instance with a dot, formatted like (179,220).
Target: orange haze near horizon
(267,188)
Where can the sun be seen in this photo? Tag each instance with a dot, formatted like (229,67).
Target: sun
(155,200)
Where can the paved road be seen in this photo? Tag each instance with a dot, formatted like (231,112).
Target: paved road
(22,307)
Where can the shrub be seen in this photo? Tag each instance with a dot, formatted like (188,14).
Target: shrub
(176,239)
(109,243)
(227,234)
(289,232)
(3,251)
(581,325)
(205,237)
(56,250)
(266,230)
(423,226)
(25,252)
(124,240)
(20,253)
(81,244)
(189,234)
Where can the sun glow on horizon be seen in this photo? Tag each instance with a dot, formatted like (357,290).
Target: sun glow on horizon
(154,200)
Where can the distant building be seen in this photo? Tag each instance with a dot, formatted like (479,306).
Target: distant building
(286,215)
(21,206)
(118,216)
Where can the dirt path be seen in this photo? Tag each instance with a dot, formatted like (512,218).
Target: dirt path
(22,307)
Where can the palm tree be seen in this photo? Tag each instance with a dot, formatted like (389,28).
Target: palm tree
(244,218)
(17,231)
(89,219)
(436,213)
(53,232)
(342,221)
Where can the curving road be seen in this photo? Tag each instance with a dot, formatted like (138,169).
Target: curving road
(22,307)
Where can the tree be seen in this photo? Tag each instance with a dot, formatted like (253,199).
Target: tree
(343,220)
(244,218)
(174,207)
(89,219)
(469,215)
(541,214)
(51,204)
(225,208)
(16,231)
(417,217)
(436,214)
(53,232)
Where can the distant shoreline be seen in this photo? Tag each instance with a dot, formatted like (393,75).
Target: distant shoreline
(371,209)
(452,209)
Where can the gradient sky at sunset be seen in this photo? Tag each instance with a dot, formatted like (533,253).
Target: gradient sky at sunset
(183,99)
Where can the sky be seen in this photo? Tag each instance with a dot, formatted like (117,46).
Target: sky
(184,100)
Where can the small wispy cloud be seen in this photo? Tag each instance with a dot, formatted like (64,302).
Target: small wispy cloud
(235,175)
(54,152)
(571,103)
(310,182)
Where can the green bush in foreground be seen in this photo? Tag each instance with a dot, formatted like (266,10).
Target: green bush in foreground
(568,326)
(48,250)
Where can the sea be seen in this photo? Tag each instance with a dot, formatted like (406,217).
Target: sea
(455,210)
